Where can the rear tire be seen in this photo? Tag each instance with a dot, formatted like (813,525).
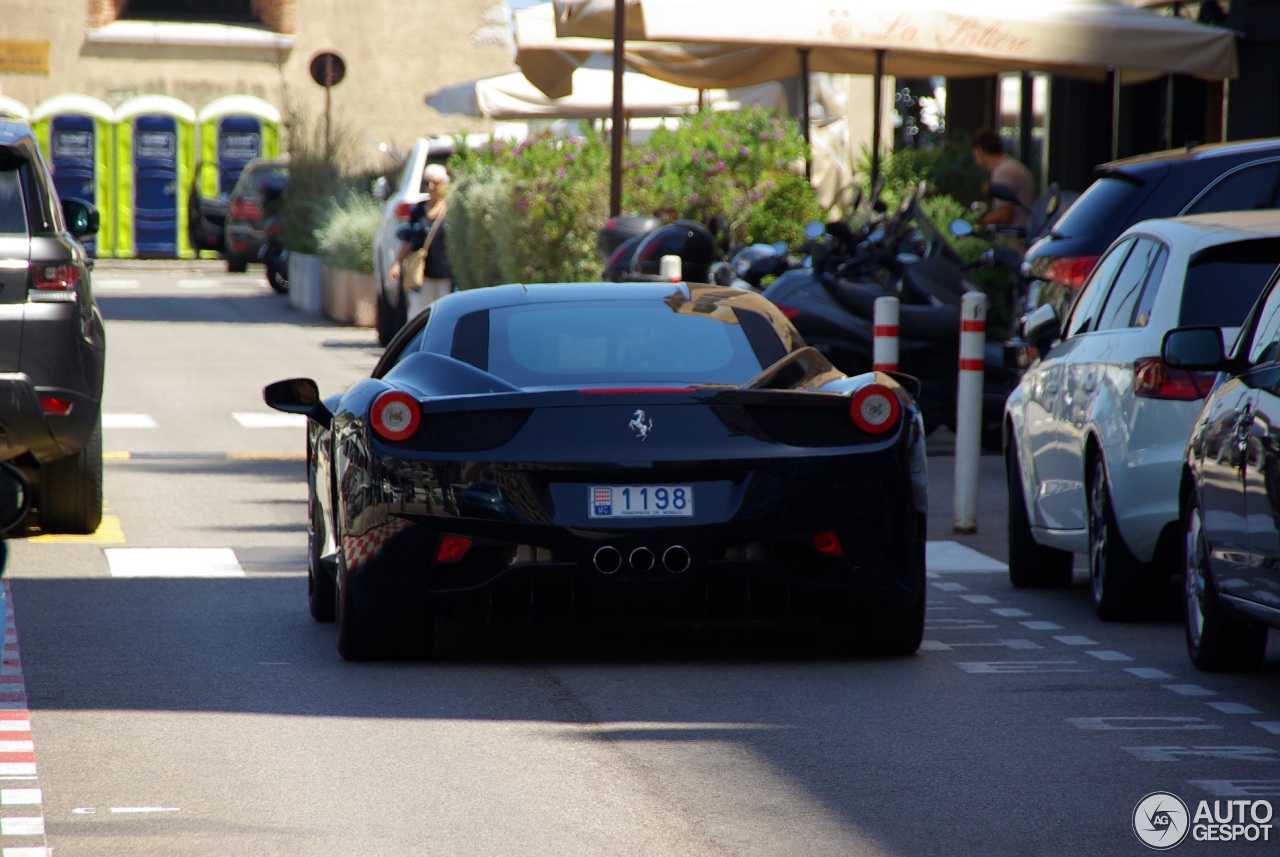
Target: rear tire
(1217,640)
(883,626)
(1116,575)
(278,280)
(320,584)
(71,490)
(401,633)
(1031,564)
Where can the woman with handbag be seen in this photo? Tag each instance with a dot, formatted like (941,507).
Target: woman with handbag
(423,258)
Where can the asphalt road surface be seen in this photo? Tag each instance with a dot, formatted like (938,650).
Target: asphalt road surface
(165,692)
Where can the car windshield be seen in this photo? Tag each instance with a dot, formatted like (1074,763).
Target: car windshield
(1224,281)
(610,342)
(1102,209)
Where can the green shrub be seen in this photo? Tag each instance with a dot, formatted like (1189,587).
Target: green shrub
(345,238)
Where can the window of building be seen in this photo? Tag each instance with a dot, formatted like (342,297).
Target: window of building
(222,11)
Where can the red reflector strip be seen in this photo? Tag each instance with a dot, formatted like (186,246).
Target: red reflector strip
(827,543)
(634,391)
(968,365)
(56,406)
(57,277)
(452,548)
(886,330)
(969,326)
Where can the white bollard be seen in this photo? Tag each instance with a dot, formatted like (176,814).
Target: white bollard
(669,269)
(884,355)
(973,339)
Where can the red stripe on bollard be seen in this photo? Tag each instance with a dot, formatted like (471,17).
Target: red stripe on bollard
(971,365)
(886,330)
(967,326)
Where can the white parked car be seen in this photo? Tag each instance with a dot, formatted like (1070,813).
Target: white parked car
(1097,428)
(397,201)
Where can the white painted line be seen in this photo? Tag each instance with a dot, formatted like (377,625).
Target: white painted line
(19,797)
(28,852)
(22,826)
(17,769)
(99,283)
(1148,672)
(953,557)
(29,746)
(1239,788)
(173,562)
(934,646)
(128,421)
(1021,644)
(271,420)
(979,599)
(1233,708)
(1043,626)
(145,809)
(1271,726)
(950,587)
(1076,641)
(198,284)
(15,725)
(1110,656)
(996,667)
(1191,690)
(1010,612)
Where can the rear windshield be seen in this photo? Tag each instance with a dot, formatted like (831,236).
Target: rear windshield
(1103,209)
(13,214)
(1223,282)
(608,342)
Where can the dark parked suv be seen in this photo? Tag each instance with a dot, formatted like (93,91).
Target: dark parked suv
(1218,177)
(52,342)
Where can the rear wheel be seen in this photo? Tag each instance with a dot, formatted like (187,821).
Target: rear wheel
(1116,574)
(883,625)
(71,490)
(384,634)
(278,279)
(1031,564)
(1216,640)
(320,586)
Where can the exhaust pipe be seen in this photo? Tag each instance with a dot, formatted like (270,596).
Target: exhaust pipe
(641,559)
(676,559)
(607,559)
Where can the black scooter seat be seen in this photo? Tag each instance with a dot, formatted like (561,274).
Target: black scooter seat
(918,323)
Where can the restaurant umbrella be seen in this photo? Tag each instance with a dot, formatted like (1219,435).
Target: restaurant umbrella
(1088,39)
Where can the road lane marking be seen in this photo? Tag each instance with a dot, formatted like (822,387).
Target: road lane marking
(1190,690)
(1148,672)
(273,419)
(22,832)
(1122,723)
(955,558)
(128,421)
(1271,726)
(1043,626)
(1109,656)
(1239,788)
(173,562)
(1176,754)
(1233,708)
(108,533)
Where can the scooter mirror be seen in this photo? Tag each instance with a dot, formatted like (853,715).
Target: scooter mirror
(780,247)
(814,229)
(961,228)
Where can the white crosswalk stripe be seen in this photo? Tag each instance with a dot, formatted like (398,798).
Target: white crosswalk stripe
(173,562)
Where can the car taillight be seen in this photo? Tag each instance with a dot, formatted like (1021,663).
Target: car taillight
(452,548)
(395,415)
(1152,379)
(875,409)
(403,209)
(828,543)
(245,209)
(1071,271)
(59,278)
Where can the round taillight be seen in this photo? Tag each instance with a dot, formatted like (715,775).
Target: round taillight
(875,409)
(395,415)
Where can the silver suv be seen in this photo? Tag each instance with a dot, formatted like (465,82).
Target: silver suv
(52,341)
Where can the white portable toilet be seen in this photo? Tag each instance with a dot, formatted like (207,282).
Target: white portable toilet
(76,133)
(155,163)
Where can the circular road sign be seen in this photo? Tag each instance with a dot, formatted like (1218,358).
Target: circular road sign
(328,68)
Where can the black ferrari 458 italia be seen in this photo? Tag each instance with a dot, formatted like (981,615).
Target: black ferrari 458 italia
(566,451)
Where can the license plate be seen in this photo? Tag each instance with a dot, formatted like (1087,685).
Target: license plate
(640,501)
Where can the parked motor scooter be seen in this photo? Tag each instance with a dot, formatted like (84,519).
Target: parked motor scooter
(832,305)
(274,254)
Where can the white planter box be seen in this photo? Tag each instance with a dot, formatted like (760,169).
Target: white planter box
(305,274)
(348,297)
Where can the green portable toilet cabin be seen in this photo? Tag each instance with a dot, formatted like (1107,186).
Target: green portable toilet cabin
(233,131)
(155,162)
(76,134)
(13,107)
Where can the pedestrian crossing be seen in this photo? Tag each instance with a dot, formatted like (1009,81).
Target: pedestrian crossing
(246,419)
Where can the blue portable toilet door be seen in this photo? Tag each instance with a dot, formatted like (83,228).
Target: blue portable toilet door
(239,142)
(155,190)
(73,152)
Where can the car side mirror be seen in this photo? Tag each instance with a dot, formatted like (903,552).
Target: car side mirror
(297,396)
(1042,328)
(1199,349)
(81,217)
